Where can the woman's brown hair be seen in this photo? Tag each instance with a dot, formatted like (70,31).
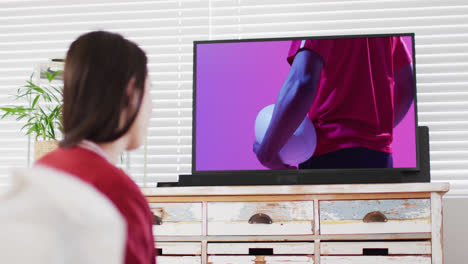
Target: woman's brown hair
(98,68)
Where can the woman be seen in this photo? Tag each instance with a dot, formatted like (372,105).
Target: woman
(106,110)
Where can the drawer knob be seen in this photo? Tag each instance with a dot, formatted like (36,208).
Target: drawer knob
(375,217)
(260,260)
(260,219)
(157,220)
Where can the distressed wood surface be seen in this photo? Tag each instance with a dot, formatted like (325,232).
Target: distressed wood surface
(375,260)
(178,260)
(178,219)
(316,217)
(291,197)
(404,216)
(260,259)
(298,189)
(204,253)
(279,238)
(204,218)
(285,248)
(232,218)
(437,229)
(394,248)
(317,251)
(179,248)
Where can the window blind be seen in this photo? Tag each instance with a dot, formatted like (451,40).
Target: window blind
(35,31)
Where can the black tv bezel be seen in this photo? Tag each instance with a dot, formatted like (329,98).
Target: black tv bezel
(304,172)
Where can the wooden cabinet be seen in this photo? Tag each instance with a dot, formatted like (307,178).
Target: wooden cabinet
(387,252)
(261,218)
(179,252)
(375,216)
(260,253)
(255,248)
(322,224)
(260,260)
(179,248)
(179,260)
(388,247)
(172,219)
(376,259)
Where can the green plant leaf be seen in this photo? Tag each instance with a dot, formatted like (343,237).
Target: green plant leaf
(7,109)
(35,101)
(39,90)
(31,85)
(27,125)
(34,128)
(4,115)
(20,116)
(51,77)
(42,111)
(48,76)
(51,130)
(43,121)
(30,120)
(56,112)
(43,131)
(51,116)
(30,130)
(58,90)
(21,95)
(54,93)
(50,95)
(59,125)
(16,110)
(46,96)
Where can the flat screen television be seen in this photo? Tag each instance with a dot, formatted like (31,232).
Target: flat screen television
(362,109)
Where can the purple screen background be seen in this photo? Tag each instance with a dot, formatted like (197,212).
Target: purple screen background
(234,82)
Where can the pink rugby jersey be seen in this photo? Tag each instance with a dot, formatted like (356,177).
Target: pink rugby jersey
(353,106)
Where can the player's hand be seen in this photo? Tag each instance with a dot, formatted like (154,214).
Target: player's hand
(268,160)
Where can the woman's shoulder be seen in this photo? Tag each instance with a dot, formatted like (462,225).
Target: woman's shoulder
(88,166)
(98,172)
(69,156)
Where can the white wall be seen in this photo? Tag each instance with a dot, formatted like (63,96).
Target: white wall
(455,230)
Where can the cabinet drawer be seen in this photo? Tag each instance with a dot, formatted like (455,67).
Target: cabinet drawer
(177,219)
(178,260)
(375,259)
(283,248)
(261,218)
(260,259)
(368,248)
(178,248)
(375,216)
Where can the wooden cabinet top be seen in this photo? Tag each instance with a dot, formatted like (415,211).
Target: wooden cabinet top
(298,189)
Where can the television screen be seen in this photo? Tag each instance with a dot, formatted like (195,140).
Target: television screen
(305,104)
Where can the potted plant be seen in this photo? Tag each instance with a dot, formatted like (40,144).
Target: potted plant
(41,110)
